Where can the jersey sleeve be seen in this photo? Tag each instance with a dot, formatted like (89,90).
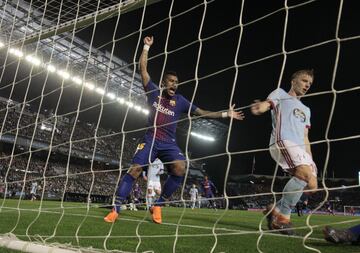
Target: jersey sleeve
(186,105)
(307,121)
(213,187)
(152,91)
(276,96)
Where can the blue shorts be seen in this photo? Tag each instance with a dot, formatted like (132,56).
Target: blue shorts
(165,151)
(209,194)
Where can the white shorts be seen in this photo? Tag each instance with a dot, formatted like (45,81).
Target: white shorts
(154,185)
(193,199)
(290,155)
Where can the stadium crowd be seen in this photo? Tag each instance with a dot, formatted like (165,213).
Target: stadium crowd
(58,179)
(83,138)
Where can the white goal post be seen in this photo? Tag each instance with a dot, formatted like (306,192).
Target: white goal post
(11,242)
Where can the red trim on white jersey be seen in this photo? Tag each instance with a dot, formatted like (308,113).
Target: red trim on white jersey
(278,121)
(278,140)
(286,154)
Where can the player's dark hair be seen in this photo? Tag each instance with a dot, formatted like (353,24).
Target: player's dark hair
(169,73)
(309,72)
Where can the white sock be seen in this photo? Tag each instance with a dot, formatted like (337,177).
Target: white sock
(289,200)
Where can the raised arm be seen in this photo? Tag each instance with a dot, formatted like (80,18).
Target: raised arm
(214,115)
(259,107)
(145,77)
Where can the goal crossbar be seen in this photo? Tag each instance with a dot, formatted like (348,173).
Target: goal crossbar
(101,15)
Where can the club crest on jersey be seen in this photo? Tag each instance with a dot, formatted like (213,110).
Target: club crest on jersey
(299,114)
(172,102)
(140,146)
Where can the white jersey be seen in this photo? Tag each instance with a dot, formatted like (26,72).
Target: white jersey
(194,193)
(155,170)
(34,186)
(290,117)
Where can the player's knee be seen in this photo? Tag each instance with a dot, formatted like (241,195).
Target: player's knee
(135,170)
(304,172)
(178,168)
(312,183)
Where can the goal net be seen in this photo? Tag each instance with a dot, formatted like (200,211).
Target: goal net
(74,112)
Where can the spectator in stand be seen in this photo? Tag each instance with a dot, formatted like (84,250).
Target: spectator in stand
(135,197)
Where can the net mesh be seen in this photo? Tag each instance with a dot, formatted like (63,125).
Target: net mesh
(73,110)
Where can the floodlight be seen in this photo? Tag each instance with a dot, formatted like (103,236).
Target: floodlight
(121,100)
(111,95)
(203,137)
(16,52)
(90,86)
(63,74)
(130,104)
(76,80)
(145,111)
(35,61)
(100,91)
(51,68)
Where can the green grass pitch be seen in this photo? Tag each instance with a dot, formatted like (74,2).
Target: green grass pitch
(236,231)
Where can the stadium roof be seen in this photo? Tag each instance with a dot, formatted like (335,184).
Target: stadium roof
(56,49)
(122,80)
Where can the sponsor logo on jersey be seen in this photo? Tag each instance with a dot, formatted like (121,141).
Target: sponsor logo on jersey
(160,108)
(299,114)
